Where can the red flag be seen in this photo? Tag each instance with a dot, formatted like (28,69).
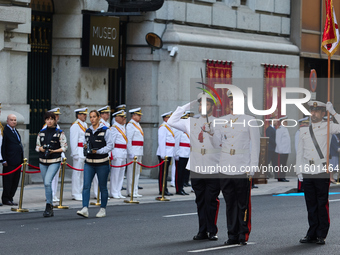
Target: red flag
(330,39)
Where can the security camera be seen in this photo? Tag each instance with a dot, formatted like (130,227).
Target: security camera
(173,51)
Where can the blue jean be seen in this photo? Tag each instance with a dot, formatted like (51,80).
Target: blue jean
(102,172)
(48,172)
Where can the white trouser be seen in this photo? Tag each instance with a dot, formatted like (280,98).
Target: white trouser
(77,179)
(129,172)
(117,176)
(54,184)
(173,171)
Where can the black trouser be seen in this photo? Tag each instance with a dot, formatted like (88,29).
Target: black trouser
(207,191)
(180,170)
(10,183)
(236,193)
(161,173)
(186,176)
(283,162)
(316,197)
(273,158)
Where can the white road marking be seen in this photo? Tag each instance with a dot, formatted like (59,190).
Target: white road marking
(221,247)
(179,215)
(334,200)
(2,232)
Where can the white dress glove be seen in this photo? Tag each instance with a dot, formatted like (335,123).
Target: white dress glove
(329,107)
(131,155)
(300,177)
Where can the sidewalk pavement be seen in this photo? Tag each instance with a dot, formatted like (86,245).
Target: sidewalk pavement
(34,194)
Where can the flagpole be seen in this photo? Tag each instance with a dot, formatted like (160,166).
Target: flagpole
(328,100)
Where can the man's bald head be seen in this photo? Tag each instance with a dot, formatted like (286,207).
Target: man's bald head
(12,120)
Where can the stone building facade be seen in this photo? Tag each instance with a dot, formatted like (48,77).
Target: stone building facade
(247,33)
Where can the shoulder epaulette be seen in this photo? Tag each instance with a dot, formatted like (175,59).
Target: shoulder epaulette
(75,122)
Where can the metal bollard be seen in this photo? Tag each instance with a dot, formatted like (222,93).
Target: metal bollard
(164,180)
(98,199)
(133,183)
(60,206)
(19,209)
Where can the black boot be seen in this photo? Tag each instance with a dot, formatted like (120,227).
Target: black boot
(48,211)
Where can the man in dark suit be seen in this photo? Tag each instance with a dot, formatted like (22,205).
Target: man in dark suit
(272,155)
(12,154)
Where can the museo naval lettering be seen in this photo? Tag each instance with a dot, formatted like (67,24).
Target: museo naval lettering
(103,33)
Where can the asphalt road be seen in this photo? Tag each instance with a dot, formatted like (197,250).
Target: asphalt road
(165,228)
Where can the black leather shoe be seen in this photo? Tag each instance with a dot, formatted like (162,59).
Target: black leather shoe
(0,204)
(308,239)
(185,193)
(48,211)
(212,237)
(14,203)
(8,203)
(254,187)
(140,187)
(320,240)
(123,188)
(243,242)
(201,236)
(180,193)
(166,193)
(231,242)
(187,184)
(282,180)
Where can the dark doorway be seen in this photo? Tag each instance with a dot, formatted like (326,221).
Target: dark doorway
(117,76)
(39,70)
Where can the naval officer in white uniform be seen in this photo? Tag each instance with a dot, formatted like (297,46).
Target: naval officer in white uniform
(135,137)
(77,140)
(118,154)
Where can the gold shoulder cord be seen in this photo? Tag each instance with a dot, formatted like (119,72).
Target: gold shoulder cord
(1,129)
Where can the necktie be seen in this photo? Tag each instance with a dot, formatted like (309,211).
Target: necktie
(15,132)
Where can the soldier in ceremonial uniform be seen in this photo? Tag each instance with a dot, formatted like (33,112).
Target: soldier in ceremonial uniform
(117,109)
(55,180)
(183,153)
(77,140)
(166,147)
(239,159)
(311,169)
(282,149)
(135,137)
(118,154)
(203,155)
(105,115)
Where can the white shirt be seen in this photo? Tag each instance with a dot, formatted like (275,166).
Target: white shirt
(166,141)
(242,140)
(282,141)
(183,150)
(77,136)
(134,134)
(306,149)
(203,154)
(118,138)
